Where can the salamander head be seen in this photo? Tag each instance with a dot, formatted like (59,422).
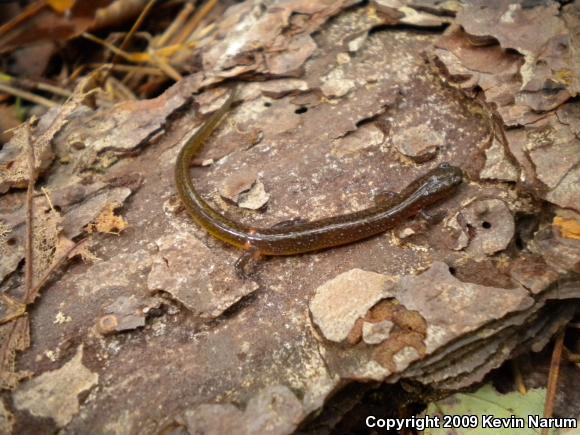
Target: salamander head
(446,173)
(441,181)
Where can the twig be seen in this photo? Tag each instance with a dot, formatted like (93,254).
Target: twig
(553,377)
(29,96)
(29,253)
(32,290)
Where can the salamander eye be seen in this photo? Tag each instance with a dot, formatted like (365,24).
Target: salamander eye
(444,165)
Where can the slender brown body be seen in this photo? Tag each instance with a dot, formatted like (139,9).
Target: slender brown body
(296,238)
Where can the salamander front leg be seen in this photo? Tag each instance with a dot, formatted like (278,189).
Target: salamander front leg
(432,218)
(387,198)
(248,259)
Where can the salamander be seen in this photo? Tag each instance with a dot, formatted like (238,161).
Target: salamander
(292,238)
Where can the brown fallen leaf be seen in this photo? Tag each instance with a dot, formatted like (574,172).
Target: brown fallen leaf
(14,171)
(38,23)
(14,337)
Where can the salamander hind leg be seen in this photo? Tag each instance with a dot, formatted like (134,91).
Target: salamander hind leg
(432,218)
(246,264)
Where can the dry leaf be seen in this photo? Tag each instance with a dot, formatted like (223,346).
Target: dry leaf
(107,222)
(569,228)
(61,6)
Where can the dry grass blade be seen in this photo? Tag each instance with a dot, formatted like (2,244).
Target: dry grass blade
(194,22)
(166,67)
(177,23)
(134,29)
(146,70)
(151,57)
(27,96)
(553,377)
(32,85)
(573,357)
(119,90)
(131,57)
(521,386)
